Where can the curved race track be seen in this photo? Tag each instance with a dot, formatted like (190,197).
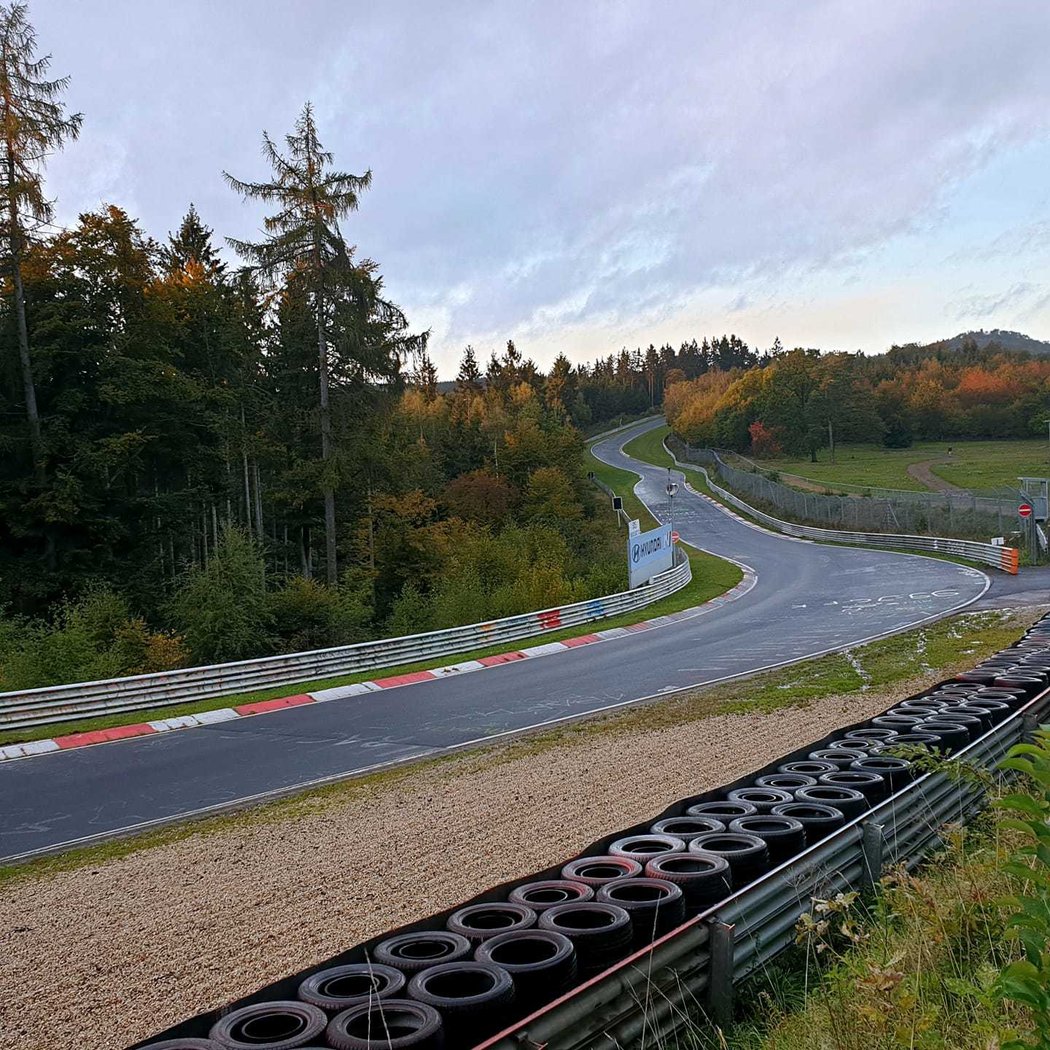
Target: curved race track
(808,599)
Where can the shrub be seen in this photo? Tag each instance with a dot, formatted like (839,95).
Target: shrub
(222,608)
(308,615)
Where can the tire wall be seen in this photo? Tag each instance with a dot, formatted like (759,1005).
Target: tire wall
(286,987)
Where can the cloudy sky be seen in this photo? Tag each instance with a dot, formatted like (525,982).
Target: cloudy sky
(581,176)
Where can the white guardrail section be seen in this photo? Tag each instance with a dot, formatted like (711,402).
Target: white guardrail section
(65,702)
(1005,558)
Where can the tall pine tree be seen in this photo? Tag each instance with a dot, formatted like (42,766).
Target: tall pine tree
(303,238)
(33,123)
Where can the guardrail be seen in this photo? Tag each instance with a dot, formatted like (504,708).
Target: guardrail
(1005,558)
(687,979)
(137,692)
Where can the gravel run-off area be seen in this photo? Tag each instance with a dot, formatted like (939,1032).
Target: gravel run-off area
(106,955)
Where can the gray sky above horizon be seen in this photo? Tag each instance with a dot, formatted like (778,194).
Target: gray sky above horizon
(584,176)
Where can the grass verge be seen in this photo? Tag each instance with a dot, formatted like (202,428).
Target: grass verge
(912,968)
(940,649)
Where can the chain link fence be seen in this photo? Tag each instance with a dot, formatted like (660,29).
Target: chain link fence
(963,515)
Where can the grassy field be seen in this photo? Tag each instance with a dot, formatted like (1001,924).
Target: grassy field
(980,465)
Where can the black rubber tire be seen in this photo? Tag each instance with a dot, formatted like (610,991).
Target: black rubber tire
(642,847)
(865,744)
(972,725)
(655,905)
(542,963)
(705,878)
(921,703)
(783,781)
(783,835)
(393,1024)
(687,828)
(1021,682)
(922,710)
(340,987)
(867,780)
(601,933)
(723,811)
(996,709)
(849,743)
(597,871)
(473,998)
(870,733)
(976,677)
(848,802)
(184,1044)
(896,772)
(1014,697)
(950,735)
(839,757)
(987,717)
(289,1023)
(762,798)
(818,821)
(479,922)
(412,952)
(747,855)
(807,766)
(546,893)
(898,723)
(907,740)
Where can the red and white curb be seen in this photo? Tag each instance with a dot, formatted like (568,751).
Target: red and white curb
(344,692)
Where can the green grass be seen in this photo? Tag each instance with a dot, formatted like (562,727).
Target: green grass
(912,967)
(942,648)
(979,465)
(649,447)
(711,577)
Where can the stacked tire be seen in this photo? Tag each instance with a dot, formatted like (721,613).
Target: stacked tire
(499,960)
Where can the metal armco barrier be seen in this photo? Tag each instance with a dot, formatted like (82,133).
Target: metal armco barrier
(1005,558)
(687,979)
(65,702)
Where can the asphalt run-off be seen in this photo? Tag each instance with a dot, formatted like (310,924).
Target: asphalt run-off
(808,599)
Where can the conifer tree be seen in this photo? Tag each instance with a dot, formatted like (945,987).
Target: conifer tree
(33,123)
(303,238)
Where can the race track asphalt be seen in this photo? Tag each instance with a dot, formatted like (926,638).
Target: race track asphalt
(808,599)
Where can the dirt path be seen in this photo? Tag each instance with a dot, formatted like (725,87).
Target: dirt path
(103,956)
(922,473)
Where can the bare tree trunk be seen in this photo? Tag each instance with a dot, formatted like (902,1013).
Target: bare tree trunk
(36,439)
(258,503)
(215,529)
(331,565)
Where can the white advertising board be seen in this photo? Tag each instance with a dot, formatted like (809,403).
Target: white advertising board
(649,554)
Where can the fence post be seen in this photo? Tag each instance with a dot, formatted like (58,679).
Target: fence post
(873,846)
(720,947)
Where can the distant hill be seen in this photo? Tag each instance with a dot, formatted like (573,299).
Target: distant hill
(1007,340)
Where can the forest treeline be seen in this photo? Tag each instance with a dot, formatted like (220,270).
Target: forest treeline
(211,455)
(797,401)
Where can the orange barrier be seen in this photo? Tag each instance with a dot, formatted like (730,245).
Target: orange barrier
(1011,560)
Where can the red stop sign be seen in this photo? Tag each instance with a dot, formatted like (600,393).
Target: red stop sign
(675,537)
(1025,510)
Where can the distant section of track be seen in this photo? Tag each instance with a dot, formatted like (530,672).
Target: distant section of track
(809,599)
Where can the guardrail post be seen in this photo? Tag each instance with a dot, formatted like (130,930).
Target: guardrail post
(873,848)
(720,946)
